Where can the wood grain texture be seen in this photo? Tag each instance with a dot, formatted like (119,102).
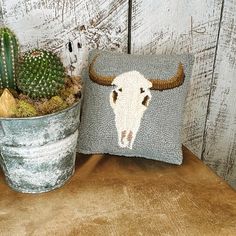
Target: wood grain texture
(182,26)
(110,195)
(68,27)
(220,136)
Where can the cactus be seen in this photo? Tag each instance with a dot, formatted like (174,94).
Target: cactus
(9,50)
(41,74)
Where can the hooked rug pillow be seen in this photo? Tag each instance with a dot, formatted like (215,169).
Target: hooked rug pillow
(133,105)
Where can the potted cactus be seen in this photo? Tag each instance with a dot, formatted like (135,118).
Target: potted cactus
(39,110)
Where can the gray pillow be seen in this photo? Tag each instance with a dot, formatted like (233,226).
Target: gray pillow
(133,105)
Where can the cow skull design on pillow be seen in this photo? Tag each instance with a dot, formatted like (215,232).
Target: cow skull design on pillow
(130,97)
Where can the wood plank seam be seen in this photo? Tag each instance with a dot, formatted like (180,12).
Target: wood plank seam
(220,150)
(129,26)
(212,82)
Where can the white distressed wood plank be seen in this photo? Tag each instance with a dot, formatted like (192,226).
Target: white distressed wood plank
(220,140)
(182,26)
(1,16)
(53,24)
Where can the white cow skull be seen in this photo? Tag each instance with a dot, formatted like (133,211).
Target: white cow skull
(130,98)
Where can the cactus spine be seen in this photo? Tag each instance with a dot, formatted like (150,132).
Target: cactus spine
(9,51)
(41,74)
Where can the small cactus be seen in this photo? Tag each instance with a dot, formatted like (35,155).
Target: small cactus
(9,51)
(41,74)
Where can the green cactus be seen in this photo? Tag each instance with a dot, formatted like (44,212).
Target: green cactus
(9,51)
(41,74)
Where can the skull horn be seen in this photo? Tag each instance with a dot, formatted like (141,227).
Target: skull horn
(175,81)
(99,79)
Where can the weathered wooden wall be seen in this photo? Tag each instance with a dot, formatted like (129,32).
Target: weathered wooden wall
(219,150)
(68,27)
(205,28)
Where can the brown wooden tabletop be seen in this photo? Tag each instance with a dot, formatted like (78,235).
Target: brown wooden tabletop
(111,195)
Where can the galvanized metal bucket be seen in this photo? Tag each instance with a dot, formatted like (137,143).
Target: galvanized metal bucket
(38,153)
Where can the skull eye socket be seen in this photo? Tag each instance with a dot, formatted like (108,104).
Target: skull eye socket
(145,101)
(114,96)
(120,89)
(142,90)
